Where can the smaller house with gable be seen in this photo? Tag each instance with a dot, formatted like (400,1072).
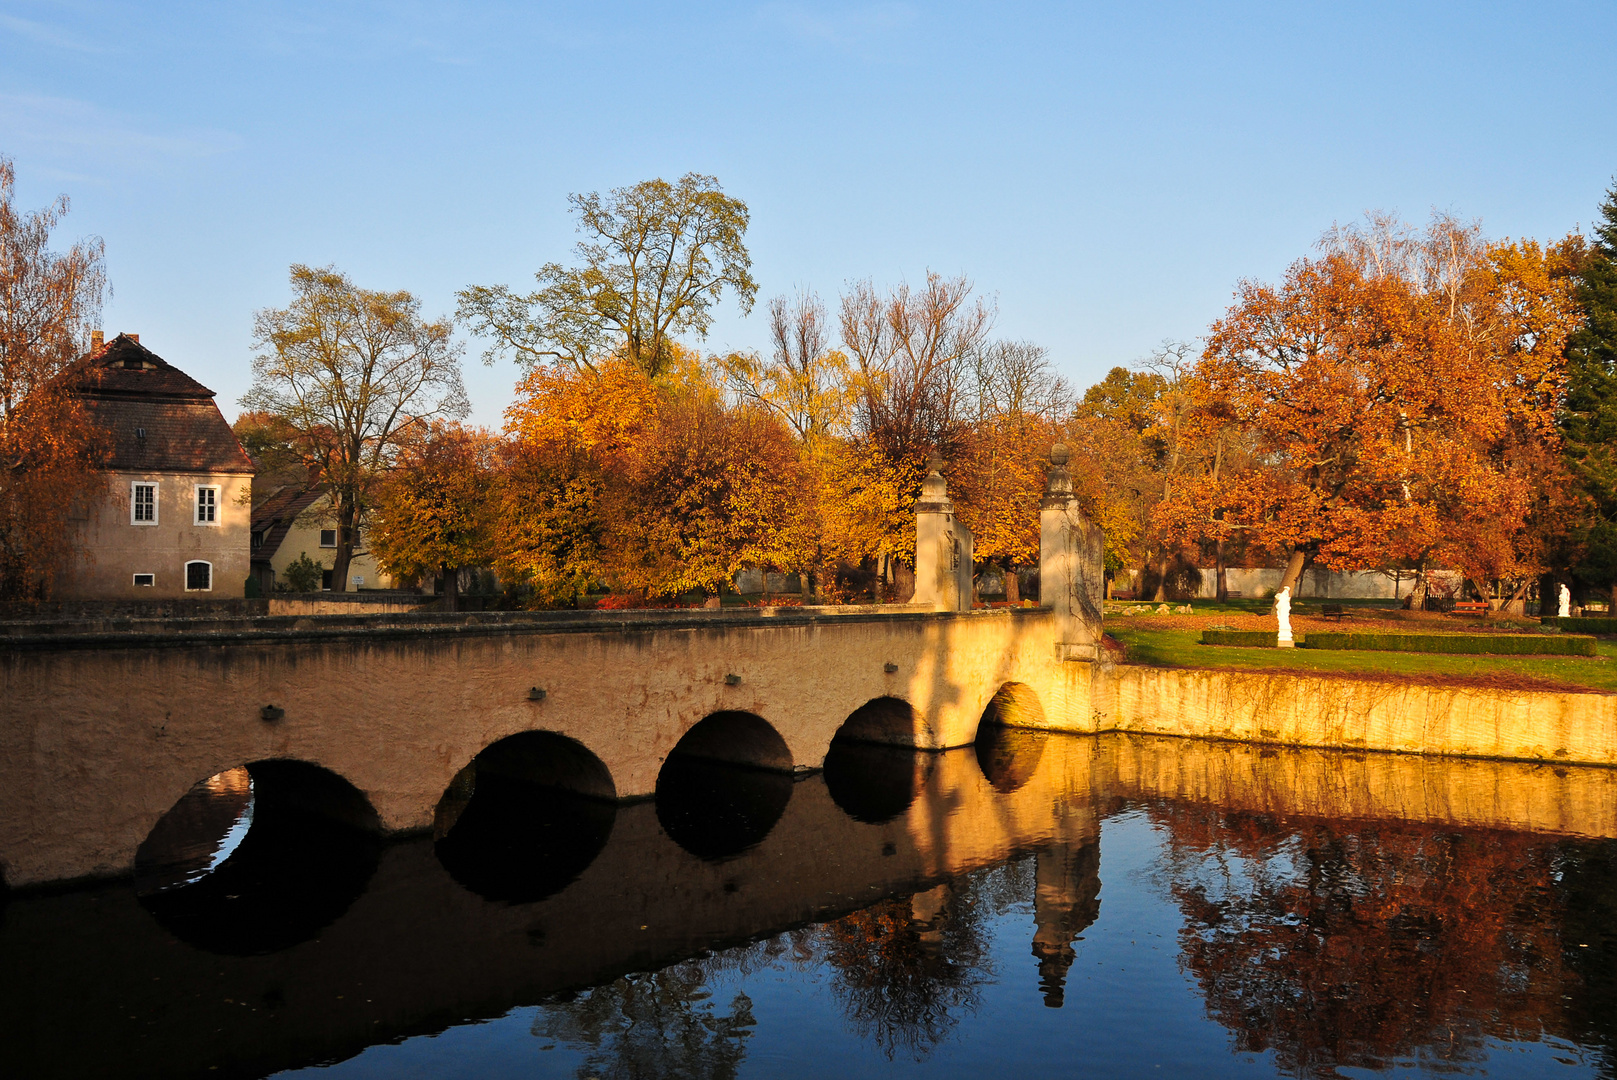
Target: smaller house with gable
(295,520)
(174,522)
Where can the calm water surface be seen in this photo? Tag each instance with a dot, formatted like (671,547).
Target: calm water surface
(1054,906)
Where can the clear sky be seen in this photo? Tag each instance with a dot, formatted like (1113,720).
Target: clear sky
(1108,171)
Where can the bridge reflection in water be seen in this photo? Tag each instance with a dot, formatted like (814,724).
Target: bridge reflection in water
(1333,910)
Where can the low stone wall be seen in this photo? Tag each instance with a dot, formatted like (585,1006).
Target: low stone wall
(355,603)
(1360,714)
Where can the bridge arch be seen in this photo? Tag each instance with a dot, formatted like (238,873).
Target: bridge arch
(875,767)
(888,721)
(525,817)
(258,857)
(1010,740)
(724,785)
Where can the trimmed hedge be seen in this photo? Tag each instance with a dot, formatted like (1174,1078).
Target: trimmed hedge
(1249,639)
(1468,644)
(1582,626)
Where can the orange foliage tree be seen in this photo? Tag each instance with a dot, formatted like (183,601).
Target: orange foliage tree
(1399,391)
(656,486)
(49,451)
(433,513)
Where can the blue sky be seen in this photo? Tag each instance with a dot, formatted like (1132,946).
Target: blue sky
(1108,172)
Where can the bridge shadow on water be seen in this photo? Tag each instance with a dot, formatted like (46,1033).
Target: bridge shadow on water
(1332,907)
(525,818)
(258,858)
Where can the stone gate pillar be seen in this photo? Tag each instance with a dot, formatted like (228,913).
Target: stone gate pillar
(942,547)
(1072,564)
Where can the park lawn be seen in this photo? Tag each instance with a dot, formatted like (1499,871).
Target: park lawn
(1181,648)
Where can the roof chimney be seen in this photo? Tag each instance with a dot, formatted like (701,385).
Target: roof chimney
(133,337)
(95,340)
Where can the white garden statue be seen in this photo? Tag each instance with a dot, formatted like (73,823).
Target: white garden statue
(1565,609)
(1283,613)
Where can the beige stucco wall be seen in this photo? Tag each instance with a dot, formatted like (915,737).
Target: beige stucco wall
(304,537)
(115,549)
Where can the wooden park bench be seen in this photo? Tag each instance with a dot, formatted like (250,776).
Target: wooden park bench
(1470,607)
(1332,611)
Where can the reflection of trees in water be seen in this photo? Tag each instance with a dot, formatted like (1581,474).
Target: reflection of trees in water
(906,969)
(650,1026)
(1355,945)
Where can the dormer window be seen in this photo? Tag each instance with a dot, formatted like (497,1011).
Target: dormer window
(133,365)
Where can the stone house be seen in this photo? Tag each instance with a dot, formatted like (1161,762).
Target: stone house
(293,520)
(174,521)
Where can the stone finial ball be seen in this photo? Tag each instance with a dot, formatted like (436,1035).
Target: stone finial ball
(1058,454)
(934,462)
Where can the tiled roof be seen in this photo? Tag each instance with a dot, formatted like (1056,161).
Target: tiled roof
(160,419)
(125,366)
(275,515)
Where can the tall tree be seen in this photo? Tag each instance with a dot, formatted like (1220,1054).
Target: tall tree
(347,369)
(655,260)
(434,511)
(1395,390)
(49,299)
(805,380)
(913,349)
(998,474)
(1589,420)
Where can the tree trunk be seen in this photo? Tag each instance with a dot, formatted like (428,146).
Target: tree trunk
(1294,572)
(1222,591)
(1162,581)
(1013,587)
(1416,600)
(345,548)
(451,588)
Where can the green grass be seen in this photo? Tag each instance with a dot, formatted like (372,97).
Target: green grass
(1477,644)
(1181,648)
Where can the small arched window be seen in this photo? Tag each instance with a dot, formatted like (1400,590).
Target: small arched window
(198,576)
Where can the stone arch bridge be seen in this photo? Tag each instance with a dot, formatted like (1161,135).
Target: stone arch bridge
(107,727)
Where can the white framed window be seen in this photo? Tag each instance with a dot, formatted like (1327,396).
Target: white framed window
(328,538)
(198,576)
(146,580)
(207,504)
(143,503)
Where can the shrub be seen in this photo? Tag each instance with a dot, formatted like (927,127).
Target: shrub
(1468,644)
(304,574)
(1581,626)
(1249,639)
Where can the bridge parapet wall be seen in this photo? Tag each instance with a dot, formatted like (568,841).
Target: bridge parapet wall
(104,732)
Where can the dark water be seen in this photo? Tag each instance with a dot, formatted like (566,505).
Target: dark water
(1042,905)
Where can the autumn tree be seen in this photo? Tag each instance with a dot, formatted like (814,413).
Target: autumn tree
(1114,463)
(912,351)
(569,434)
(804,381)
(1016,403)
(1392,389)
(709,490)
(347,369)
(655,260)
(434,513)
(49,450)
